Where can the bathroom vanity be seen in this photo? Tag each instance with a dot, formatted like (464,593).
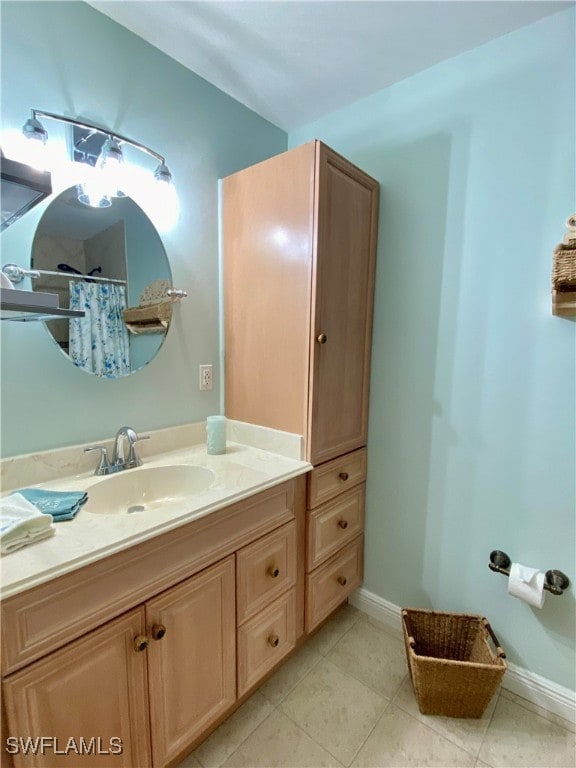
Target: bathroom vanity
(156,626)
(152,627)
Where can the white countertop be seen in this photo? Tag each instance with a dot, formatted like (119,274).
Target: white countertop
(239,473)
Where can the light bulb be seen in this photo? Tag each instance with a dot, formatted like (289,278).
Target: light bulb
(162,175)
(92,191)
(110,166)
(36,147)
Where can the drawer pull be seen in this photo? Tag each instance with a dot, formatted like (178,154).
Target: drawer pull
(274,640)
(273,571)
(322,338)
(342,581)
(158,631)
(343,524)
(343,476)
(140,643)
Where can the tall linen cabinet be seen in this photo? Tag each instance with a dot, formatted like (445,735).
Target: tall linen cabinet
(299,238)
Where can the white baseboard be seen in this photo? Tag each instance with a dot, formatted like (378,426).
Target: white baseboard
(539,690)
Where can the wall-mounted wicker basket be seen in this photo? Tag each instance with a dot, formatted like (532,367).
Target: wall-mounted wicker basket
(564,273)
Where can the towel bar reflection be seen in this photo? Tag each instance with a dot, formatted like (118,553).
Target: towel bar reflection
(16,274)
(555,581)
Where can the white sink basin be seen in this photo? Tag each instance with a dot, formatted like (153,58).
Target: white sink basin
(146,489)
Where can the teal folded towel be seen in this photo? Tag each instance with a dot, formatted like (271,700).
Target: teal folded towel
(62,505)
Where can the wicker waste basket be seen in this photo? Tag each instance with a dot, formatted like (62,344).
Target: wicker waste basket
(454,671)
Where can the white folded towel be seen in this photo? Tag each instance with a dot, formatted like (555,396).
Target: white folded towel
(21,523)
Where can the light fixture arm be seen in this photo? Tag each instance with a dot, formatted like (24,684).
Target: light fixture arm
(36,113)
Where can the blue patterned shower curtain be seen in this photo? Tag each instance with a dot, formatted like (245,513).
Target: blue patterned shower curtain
(99,340)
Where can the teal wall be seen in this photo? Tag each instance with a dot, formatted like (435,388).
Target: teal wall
(69,59)
(471,440)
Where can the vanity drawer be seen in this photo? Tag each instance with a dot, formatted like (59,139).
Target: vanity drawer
(333,525)
(264,570)
(329,480)
(331,583)
(265,639)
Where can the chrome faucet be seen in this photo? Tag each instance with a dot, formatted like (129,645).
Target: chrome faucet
(120,460)
(119,457)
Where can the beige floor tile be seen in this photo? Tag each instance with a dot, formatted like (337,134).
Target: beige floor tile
(279,743)
(480,764)
(327,637)
(395,630)
(538,710)
(228,737)
(517,737)
(335,709)
(189,762)
(372,656)
(290,673)
(466,733)
(400,740)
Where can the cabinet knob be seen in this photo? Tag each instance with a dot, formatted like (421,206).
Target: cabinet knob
(343,476)
(274,640)
(140,643)
(342,581)
(273,571)
(343,524)
(322,338)
(158,631)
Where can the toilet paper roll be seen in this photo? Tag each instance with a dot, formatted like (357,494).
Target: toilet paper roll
(527,584)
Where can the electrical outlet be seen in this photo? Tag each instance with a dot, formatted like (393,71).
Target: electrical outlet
(205,377)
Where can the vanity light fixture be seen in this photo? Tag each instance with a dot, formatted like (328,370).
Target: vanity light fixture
(100,149)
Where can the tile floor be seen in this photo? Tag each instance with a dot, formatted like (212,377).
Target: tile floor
(345,699)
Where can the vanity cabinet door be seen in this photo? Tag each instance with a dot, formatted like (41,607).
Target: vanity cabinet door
(87,698)
(346,226)
(192,663)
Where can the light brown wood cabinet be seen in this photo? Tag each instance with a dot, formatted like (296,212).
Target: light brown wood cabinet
(266,622)
(162,671)
(172,663)
(299,249)
(94,687)
(192,665)
(335,534)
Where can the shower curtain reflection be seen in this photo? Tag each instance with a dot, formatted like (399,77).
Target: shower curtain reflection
(99,340)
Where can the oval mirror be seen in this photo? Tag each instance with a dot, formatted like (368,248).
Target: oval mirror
(111,263)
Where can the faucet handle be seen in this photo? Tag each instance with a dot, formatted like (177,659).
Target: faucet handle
(103,467)
(133,460)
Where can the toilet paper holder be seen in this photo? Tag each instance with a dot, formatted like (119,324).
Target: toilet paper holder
(554,581)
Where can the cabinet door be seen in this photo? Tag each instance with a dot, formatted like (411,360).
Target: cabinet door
(347,219)
(83,699)
(267,232)
(192,667)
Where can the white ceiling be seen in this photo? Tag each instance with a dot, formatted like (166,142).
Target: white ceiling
(293,61)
